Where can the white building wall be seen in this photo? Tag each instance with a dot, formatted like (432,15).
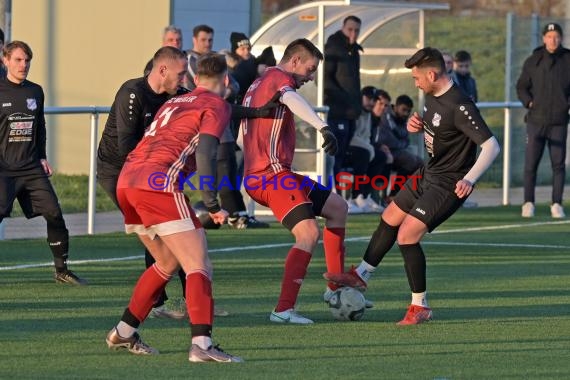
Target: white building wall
(225,16)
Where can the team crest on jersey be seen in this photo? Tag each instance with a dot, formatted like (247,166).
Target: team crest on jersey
(31,103)
(436,120)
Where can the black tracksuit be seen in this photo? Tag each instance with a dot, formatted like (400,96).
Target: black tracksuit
(545,82)
(22,146)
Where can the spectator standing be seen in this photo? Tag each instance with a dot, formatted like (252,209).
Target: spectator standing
(342,85)
(544,89)
(462,74)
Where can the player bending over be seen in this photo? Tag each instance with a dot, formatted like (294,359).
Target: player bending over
(269,145)
(183,139)
(452,129)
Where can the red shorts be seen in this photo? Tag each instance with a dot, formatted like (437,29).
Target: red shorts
(281,192)
(154,213)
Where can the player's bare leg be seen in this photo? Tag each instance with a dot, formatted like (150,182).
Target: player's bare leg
(191,251)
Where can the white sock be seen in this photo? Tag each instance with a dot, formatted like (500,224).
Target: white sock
(365,270)
(420,299)
(125,330)
(203,341)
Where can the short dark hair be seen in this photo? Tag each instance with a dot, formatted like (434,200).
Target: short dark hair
(462,56)
(299,46)
(202,28)
(406,100)
(167,52)
(2,36)
(211,65)
(383,94)
(11,46)
(426,57)
(351,18)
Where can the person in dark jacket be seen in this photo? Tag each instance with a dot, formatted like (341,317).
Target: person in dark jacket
(544,89)
(393,133)
(461,74)
(342,84)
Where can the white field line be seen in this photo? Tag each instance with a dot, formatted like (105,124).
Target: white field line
(360,238)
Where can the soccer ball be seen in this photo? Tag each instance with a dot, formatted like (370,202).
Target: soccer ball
(347,304)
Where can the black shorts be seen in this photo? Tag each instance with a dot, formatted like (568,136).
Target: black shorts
(429,201)
(34,193)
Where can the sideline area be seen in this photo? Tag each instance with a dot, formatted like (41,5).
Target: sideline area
(105,222)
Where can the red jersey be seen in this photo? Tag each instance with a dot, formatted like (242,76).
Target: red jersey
(169,143)
(268,143)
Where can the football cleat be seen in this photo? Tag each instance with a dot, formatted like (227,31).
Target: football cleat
(416,315)
(328,294)
(244,221)
(163,312)
(68,277)
(134,343)
(289,316)
(212,354)
(350,279)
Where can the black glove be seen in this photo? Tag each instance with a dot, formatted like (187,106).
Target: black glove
(265,110)
(330,145)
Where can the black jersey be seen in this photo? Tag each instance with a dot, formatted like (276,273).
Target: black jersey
(453,128)
(132,112)
(22,126)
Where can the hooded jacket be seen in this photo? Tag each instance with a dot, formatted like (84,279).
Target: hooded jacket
(545,81)
(342,77)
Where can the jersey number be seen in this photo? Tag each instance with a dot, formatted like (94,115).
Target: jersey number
(162,118)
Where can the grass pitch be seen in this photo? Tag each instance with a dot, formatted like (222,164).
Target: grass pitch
(498,285)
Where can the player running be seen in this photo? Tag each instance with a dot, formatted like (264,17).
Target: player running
(452,129)
(24,168)
(183,139)
(269,145)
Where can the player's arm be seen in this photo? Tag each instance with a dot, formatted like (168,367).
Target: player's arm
(242,112)
(524,84)
(41,137)
(129,120)
(41,129)
(206,167)
(300,107)
(415,123)
(470,122)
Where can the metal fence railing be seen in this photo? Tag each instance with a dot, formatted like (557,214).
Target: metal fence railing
(94,112)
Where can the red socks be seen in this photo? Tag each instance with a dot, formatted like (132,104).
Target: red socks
(149,286)
(333,243)
(199,299)
(296,265)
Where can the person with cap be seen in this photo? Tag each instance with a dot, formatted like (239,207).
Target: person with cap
(245,71)
(544,89)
